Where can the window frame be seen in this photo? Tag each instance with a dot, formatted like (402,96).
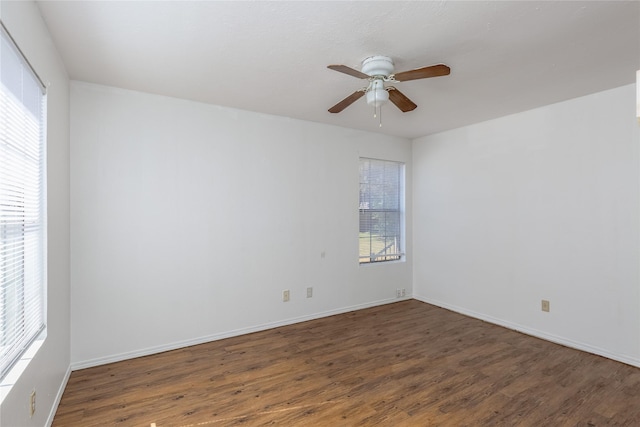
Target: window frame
(23,212)
(397,211)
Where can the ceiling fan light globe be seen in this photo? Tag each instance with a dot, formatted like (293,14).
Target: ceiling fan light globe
(377,97)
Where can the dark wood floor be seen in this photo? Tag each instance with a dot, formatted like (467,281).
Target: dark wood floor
(403,364)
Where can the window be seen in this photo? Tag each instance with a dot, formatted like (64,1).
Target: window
(22,205)
(381,210)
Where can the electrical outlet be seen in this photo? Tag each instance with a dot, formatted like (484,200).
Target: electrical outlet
(309,292)
(285,295)
(545,305)
(398,293)
(32,403)
(403,292)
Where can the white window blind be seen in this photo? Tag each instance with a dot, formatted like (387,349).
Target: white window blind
(381,210)
(22,205)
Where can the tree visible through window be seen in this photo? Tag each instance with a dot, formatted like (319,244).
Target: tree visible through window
(22,205)
(381,210)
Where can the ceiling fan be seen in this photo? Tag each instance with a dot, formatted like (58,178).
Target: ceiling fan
(379,70)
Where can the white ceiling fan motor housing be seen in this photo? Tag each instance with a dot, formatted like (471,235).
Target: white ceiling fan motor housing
(377,66)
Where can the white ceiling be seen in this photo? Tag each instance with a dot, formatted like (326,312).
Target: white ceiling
(271,57)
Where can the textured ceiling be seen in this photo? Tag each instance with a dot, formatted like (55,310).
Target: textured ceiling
(271,57)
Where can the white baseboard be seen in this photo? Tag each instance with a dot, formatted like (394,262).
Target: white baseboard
(214,337)
(534,332)
(58,398)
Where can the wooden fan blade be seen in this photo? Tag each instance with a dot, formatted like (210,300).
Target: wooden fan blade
(348,70)
(346,102)
(423,73)
(400,100)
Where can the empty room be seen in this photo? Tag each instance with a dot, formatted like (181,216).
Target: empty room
(317,213)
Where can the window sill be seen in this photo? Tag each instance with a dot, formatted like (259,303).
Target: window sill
(18,369)
(396,261)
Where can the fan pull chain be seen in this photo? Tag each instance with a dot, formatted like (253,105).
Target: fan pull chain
(380,125)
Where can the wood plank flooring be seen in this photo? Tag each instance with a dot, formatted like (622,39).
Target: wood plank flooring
(402,364)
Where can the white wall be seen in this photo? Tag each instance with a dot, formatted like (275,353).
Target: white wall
(189,220)
(538,205)
(48,371)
